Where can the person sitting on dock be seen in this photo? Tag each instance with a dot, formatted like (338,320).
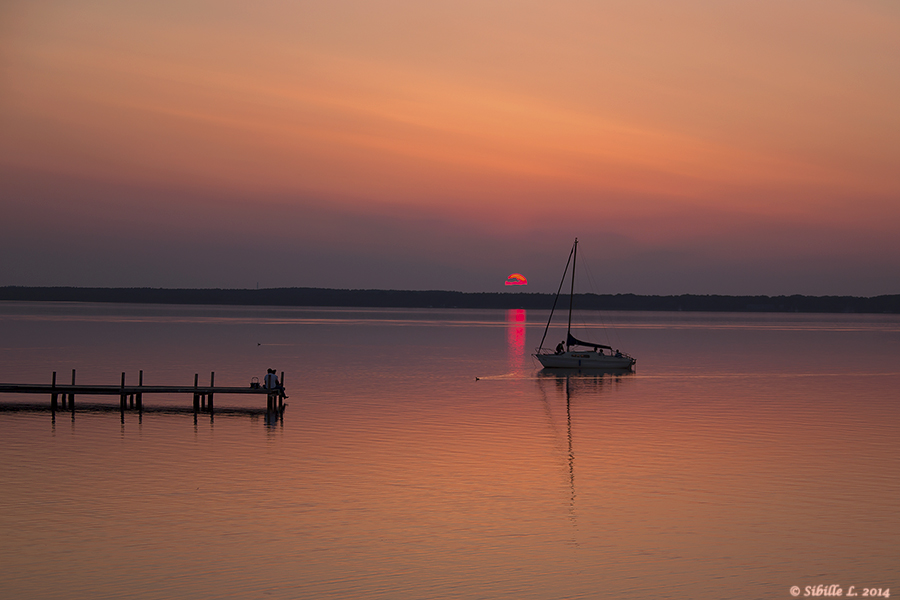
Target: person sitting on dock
(271,382)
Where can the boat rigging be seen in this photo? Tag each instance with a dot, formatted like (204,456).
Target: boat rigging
(574,353)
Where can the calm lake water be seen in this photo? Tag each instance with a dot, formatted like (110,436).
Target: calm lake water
(747,454)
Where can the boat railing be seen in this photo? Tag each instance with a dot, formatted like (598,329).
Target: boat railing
(616,353)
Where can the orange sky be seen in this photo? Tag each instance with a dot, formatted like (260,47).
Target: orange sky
(741,147)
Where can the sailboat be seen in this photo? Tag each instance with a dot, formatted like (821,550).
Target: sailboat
(574,353)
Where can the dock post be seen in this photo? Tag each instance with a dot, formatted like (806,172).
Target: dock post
(196,393)
(62,400)
(212,383)
(72,394)
(53,396)
(123,398)
(140,395)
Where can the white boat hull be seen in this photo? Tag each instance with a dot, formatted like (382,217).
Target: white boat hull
(584,360)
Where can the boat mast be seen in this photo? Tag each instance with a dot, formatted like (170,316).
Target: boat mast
(571,292)
(555,300)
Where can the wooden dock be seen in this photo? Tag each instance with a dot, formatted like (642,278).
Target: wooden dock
(62,395)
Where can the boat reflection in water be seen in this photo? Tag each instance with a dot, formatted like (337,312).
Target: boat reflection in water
(584,384)
(577,381)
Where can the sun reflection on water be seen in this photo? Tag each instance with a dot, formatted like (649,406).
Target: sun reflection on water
(515,338)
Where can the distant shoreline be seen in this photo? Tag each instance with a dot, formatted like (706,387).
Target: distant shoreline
(887,304)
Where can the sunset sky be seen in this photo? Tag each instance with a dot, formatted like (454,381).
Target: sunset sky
(706,147)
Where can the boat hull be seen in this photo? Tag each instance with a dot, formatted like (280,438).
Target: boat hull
(584,360)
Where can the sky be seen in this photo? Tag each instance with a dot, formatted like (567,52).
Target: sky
(705,147)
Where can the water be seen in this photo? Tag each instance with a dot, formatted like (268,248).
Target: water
(747,454)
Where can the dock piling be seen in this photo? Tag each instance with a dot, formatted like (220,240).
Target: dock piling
(123,397)
(196,393)
(53,395)
(212,384)
(72,394)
